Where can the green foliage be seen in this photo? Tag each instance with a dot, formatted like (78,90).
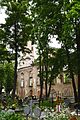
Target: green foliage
(6,76)
(10,116)
(47,103)
(2,74)
(67,78)
(47,22)
(47,18)
(74,9)
(9,75)
(17,16)
(17,29)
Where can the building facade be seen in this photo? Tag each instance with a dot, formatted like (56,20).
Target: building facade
(27,79)
(28,83)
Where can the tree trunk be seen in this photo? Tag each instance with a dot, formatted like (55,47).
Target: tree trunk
(40,72)
(71,73)
(15,73)
(79,87)
(0,88)
(49,88)
(51,79)
(46,81)
(15,67)
(46,71)
(78,54)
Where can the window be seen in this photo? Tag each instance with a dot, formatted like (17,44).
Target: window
(22,80)
(30,82)
(22,83)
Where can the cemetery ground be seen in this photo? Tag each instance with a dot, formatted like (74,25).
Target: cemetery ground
(35,109)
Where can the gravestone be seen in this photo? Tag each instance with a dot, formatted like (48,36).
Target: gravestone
(35,101)
(26,110)
(30,106)
(67,101)
(31,103)
(37,112)
(43,115)
(11,111)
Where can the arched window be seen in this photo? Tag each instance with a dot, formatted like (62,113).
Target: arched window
(30,82)
(22,80)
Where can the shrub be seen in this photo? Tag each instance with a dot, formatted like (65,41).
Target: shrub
(11,116)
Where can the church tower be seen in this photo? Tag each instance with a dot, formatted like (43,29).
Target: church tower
(27,73)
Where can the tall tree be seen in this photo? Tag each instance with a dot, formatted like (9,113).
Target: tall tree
(41,33)
(66,36)
(69,35)
(74,14)
(17,28)
(54,16)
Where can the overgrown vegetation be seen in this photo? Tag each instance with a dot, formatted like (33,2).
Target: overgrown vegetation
(37,21)
(11,116)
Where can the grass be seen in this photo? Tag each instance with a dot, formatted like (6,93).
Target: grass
(48,103)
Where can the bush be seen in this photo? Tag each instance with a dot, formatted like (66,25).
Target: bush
(10,116)
(47,103)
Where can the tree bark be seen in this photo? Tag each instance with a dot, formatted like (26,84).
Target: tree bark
(50,83)
(0,88)
(78,54)
(71,73)
(46,70)
(15,67)
(15,73)
(40,72)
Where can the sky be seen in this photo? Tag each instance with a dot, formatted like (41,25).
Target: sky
(2,16)
(53,42)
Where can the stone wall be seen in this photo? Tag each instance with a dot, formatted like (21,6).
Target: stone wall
(27,81)
(64,90)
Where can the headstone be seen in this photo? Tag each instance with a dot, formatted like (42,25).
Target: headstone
(35,101)
(43,115)
(37,112)
(26,110)
(3,111)
(30,102)
(30,106)
(72,100)
(11,111)
(67,101)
